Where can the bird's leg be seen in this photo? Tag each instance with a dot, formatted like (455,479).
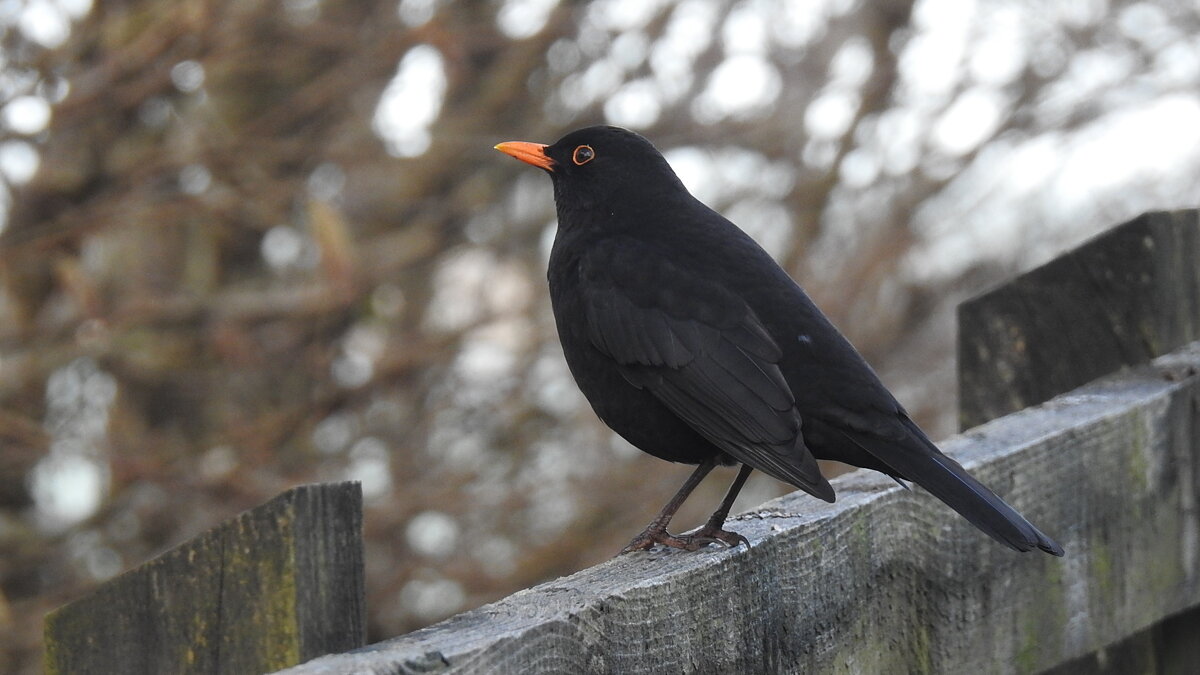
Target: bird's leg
(656,531)
(713,530)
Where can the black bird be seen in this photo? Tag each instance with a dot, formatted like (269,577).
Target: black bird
(696,347)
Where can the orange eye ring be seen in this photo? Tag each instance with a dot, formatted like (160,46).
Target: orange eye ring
(582,155)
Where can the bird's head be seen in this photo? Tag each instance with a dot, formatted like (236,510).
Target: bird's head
(600,166)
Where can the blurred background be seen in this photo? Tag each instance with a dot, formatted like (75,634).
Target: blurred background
(251,244)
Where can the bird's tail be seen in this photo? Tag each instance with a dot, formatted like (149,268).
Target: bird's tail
(947,480)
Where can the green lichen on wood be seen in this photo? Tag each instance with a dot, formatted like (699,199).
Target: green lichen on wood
(922,651)
(228,600)
(1043,626)
(258,560)
(1101,584)
(58,623)
(1138,465)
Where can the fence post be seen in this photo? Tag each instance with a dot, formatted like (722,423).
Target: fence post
(1032,339)
(1121,299)
(278,585)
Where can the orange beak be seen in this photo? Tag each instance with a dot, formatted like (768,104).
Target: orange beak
(530,153)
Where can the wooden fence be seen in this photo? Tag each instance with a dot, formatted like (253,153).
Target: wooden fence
(278,585)
(884,580)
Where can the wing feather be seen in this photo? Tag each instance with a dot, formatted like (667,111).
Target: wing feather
(710,360)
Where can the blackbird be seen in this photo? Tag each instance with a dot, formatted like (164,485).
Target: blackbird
(691,342)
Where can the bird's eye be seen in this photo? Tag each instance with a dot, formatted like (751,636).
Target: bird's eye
(583,154)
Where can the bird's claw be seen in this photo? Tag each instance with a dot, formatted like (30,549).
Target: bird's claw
(655,535)
(688,542)
(714,535)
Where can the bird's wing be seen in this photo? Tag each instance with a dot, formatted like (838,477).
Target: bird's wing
(703,352)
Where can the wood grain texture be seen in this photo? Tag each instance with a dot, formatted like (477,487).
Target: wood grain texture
(1121,299)
(275,586)
(886,580)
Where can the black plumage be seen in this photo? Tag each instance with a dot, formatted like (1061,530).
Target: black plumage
(696,347)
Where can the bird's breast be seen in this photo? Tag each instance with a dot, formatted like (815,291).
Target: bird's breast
(635,414)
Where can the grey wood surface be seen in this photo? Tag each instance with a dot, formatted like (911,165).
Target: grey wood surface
(1121,299)
(277,585)
(886,580)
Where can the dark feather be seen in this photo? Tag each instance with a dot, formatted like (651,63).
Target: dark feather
(918,460)
(724,380)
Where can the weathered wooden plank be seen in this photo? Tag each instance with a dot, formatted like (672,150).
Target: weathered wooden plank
(275,586)
(887,580)
(1169,647)
(1123,298)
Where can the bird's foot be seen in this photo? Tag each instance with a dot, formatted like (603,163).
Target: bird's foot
(688,542)
(710,534)
(656,535)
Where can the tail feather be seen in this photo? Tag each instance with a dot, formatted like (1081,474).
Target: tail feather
(922,463)
(979,505)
